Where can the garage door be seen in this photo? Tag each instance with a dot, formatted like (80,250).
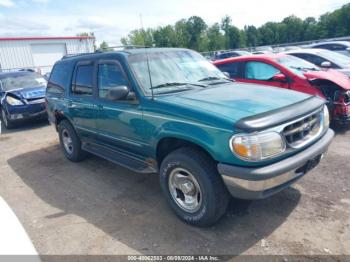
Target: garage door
(45,55)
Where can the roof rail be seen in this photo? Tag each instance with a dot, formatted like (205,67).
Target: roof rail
(124,47)
(74,55)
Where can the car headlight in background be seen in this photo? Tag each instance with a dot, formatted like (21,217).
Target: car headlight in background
(326,119)
(13,101)
(257,147)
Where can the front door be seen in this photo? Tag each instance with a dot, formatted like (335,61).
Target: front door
(119,122)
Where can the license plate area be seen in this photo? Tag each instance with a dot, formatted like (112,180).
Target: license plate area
(310,164)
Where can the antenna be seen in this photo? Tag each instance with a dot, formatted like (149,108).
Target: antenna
(147,57)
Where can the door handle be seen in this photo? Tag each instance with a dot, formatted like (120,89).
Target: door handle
(100,106)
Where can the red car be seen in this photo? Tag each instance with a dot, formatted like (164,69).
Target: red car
(290,72)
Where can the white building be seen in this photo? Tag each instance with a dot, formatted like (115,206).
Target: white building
(40,53)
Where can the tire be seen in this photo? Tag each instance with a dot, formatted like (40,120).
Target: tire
(70,142)
(7,123)
(209,203)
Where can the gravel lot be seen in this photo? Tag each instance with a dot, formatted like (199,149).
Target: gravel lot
(96,207)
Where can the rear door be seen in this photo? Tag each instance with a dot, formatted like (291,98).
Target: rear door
(81,105)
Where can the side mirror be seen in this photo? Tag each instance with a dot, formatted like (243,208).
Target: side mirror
(326,64)
(118,93)
(227,74)
(279,78)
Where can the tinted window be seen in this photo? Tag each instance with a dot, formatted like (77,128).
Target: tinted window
(234,69)
(83,84)
(333,47)
(317,60)
(109,76)
(58,78)
(260,71)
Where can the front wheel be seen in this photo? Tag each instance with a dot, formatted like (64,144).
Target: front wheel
(192,186)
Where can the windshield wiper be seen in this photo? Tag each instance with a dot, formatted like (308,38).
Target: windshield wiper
(170,84)
(213,78)
(305,68)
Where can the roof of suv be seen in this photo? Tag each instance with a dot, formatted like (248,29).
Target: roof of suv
(124,52)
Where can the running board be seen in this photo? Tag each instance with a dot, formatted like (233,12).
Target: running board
(119,158)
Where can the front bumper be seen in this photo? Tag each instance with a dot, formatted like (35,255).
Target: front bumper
(261,182)
(26,112)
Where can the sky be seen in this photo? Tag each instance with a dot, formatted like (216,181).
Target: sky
(111,20)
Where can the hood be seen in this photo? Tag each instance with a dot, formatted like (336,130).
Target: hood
(345,71)
(235,101)
(332,75)
(28,93)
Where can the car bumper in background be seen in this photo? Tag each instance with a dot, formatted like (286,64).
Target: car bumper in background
(26,112)
(261,182)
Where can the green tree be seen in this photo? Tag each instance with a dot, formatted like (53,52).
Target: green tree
(195,27)
(104,47)
(216,40)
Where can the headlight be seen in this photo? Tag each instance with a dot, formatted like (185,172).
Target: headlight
(325,117)
(257,147)
(13,101)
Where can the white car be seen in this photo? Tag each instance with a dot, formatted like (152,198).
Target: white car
(342,47)
(13,238)
(324,58)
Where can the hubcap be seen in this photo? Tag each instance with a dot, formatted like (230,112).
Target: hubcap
(185,190)
(67,141)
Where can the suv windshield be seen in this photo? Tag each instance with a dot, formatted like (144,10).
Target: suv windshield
(296,65)
(23,80)
(174,70)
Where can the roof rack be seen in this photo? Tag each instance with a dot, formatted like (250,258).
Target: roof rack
(123,47)
(74,55)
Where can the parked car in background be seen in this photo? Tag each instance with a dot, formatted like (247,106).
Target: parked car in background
(224,55)
(324,58)
(170,111)
(22,97)
(291,72)
(342,47)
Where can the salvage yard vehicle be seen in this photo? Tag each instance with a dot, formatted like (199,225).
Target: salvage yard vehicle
(324,59)
(341,47)
(22,97)
(290,72)
(170,111)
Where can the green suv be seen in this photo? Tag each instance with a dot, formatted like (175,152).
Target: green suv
(170,111)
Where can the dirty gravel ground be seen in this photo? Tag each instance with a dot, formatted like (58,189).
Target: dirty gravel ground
(96,207)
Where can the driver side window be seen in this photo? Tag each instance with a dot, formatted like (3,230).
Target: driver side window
(260,71)
(110,75)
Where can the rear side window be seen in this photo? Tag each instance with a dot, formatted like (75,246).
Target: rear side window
(59,78)
(260,71)
(234,69)
(83,80)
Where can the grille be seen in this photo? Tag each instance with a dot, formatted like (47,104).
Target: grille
(303,131)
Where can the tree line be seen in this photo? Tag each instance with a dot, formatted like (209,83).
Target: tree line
(195,34)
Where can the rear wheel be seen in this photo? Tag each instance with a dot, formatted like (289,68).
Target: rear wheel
(193,187)
(70,142)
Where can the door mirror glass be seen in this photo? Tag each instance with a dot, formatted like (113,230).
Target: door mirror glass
(326,64)
(117,93)
(226,74)
(279,78)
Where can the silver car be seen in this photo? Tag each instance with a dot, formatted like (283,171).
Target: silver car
(324,58)
(341,47)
